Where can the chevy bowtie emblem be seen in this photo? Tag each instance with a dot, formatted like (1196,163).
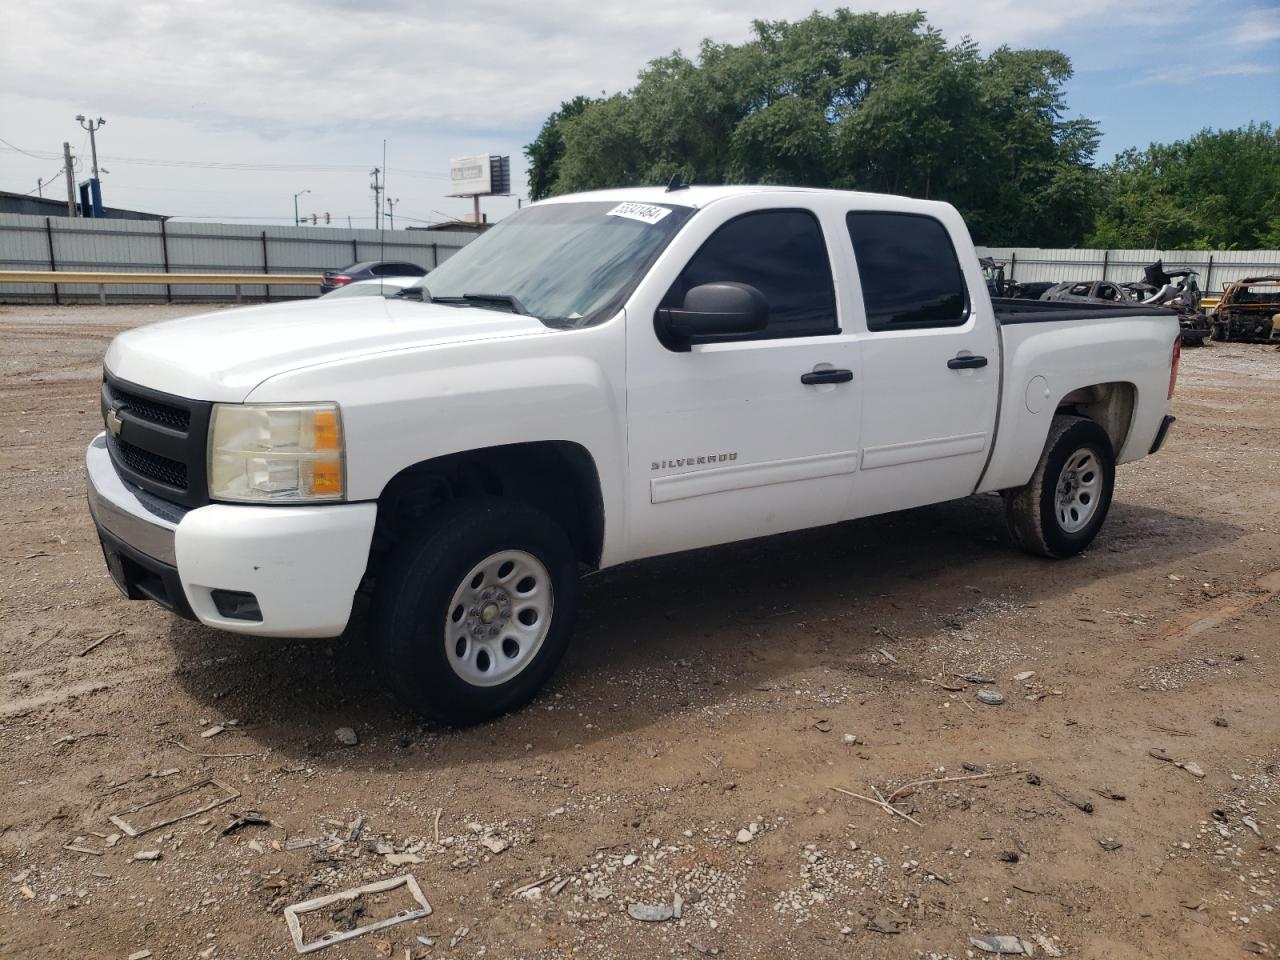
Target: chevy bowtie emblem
(114,423)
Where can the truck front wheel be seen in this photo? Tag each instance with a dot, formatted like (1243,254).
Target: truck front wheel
(474,609)
(1059,512)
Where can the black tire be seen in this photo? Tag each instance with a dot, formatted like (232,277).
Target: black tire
(1032,511)
(411,640)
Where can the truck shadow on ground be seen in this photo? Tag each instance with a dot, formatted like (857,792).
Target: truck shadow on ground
(681,633)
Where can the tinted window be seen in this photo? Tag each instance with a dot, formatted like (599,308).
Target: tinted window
(909,271)
(782,254)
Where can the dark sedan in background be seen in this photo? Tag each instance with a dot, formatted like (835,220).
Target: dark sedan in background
(369,270)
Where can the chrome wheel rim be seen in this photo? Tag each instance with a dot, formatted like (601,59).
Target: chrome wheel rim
(498,618)
(1078,490)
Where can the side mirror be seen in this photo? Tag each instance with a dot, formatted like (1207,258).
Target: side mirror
(716,310)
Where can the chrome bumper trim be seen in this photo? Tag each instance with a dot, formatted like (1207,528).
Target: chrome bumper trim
(117,507)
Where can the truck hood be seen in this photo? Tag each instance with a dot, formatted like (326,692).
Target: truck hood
(224,355)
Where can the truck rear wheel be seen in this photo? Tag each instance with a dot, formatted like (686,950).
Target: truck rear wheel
(474,609)
(1062,508)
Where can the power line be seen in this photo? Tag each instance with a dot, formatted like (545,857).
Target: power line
(47,181)
(237,165)
(28,152)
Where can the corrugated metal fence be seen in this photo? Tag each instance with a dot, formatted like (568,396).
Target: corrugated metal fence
(67,243)
(1217,268)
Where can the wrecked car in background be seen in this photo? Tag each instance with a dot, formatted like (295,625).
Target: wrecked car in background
(993,273)
(1178,289)
(1249,311)
(1097,291)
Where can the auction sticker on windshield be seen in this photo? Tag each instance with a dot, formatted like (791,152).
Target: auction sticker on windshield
(644,212)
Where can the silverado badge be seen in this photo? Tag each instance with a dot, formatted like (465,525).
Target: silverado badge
(709,460)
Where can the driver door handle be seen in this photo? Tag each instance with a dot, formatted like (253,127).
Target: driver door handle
(966,363)
(826,376)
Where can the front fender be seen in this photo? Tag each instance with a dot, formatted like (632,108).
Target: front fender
(403,407)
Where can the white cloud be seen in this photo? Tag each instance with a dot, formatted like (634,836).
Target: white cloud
(1180,75)
(294,82)
(281,67)
(1254,28)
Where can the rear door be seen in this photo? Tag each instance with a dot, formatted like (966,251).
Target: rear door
(930,360)
(749,435)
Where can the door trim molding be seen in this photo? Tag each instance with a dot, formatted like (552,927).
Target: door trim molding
(744,476)
(913,451)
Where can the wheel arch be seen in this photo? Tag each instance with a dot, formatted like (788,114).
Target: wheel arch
(558,477)
(1110,405)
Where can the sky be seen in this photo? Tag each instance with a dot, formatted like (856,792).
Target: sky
(223,110)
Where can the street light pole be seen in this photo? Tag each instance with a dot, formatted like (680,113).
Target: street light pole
(391,211)
(95,187)
(296,221)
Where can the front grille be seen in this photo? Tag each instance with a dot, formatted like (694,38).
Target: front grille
(157,440)
(153,466)
(175,418)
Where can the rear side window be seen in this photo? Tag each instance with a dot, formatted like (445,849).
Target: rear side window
(782,254)
(909,271)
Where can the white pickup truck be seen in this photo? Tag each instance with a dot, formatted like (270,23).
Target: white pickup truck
(598,379)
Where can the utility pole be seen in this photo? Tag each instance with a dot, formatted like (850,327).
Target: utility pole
(71,178)
(376,187)
(95,185)
(391,211)
(39,186)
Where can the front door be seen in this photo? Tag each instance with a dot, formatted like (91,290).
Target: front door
(931,363)
(745,436)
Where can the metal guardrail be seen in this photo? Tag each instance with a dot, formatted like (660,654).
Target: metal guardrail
(102,279)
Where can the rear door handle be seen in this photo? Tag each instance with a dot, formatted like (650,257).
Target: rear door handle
(966,363)
(826,376)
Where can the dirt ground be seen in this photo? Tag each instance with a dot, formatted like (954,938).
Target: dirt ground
(705,694)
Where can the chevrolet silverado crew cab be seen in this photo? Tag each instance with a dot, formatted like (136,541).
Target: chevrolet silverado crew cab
(598,379)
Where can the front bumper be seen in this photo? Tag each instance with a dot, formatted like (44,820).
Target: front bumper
(302,564)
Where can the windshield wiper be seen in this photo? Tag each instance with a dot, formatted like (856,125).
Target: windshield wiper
(480,299)
(510,301)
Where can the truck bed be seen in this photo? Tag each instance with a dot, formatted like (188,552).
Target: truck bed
(1009,310)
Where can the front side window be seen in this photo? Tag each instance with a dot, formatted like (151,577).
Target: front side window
(909,271)
(783,255)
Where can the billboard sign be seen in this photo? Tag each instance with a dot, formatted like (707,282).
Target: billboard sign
(480,176)
(470,176)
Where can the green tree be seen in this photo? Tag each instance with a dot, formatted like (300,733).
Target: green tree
(1218,189)
(545,152)
(856,101)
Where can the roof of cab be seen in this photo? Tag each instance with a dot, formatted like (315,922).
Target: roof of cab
(698,196)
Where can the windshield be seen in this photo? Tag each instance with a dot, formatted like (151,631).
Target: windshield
(568,264)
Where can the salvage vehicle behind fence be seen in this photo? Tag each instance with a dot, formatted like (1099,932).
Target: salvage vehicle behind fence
(1249,311)
(1177,288)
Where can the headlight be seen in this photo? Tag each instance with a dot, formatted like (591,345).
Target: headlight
(276,452)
